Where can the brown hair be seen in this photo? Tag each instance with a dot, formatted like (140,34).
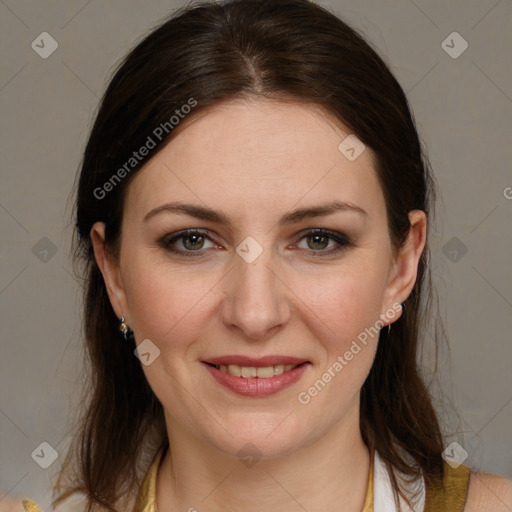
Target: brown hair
(211,52)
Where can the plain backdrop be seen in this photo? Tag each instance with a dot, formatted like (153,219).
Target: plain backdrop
(462,102)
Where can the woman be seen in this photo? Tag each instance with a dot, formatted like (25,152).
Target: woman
(253,212)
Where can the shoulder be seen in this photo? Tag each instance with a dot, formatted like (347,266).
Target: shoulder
(489,492)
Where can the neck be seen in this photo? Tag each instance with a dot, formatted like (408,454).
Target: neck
(331,473)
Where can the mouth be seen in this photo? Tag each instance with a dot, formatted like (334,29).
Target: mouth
(256,378)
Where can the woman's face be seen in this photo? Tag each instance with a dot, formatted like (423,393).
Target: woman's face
(254,282)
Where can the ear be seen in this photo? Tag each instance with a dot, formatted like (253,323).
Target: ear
(405,266)
(110,270)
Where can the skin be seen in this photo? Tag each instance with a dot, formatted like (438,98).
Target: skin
(256,160)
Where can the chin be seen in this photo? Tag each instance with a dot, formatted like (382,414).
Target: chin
(262,439)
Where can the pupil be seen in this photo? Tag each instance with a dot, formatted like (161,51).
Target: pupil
(316,238)
(193,237)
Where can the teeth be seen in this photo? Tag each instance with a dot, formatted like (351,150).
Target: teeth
(278,369)
(248,371)
(262,372)
(235,370)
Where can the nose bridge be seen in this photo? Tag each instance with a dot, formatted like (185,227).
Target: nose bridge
(256,300)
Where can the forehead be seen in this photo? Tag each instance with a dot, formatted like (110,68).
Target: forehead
(252,154)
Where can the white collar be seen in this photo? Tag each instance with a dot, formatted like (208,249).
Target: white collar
(383,500)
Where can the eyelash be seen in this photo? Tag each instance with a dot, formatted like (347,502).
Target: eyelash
(341,239)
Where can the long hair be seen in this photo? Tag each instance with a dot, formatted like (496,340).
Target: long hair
(207,53)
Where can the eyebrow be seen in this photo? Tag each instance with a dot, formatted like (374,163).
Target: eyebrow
(293,217)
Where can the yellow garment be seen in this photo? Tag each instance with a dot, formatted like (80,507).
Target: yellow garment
(30,506)
(453,494)
(451,498)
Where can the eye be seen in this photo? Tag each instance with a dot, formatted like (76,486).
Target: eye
(323,242)
(191,241)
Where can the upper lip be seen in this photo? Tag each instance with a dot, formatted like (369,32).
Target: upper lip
(257,362)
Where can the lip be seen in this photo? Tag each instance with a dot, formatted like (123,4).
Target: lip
(257,362)
(254,386)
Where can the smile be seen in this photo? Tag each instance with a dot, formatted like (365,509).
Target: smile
(256,381)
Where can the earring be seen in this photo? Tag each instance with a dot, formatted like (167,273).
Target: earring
(124,330)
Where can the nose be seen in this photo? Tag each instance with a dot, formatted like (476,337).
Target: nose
(256,301)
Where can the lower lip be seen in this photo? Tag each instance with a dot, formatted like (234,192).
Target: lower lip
(254,386)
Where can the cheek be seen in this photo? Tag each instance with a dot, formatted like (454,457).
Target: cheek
(343,315)
(164,300)
(347,301)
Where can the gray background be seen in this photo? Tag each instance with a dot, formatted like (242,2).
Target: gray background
(463,110)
